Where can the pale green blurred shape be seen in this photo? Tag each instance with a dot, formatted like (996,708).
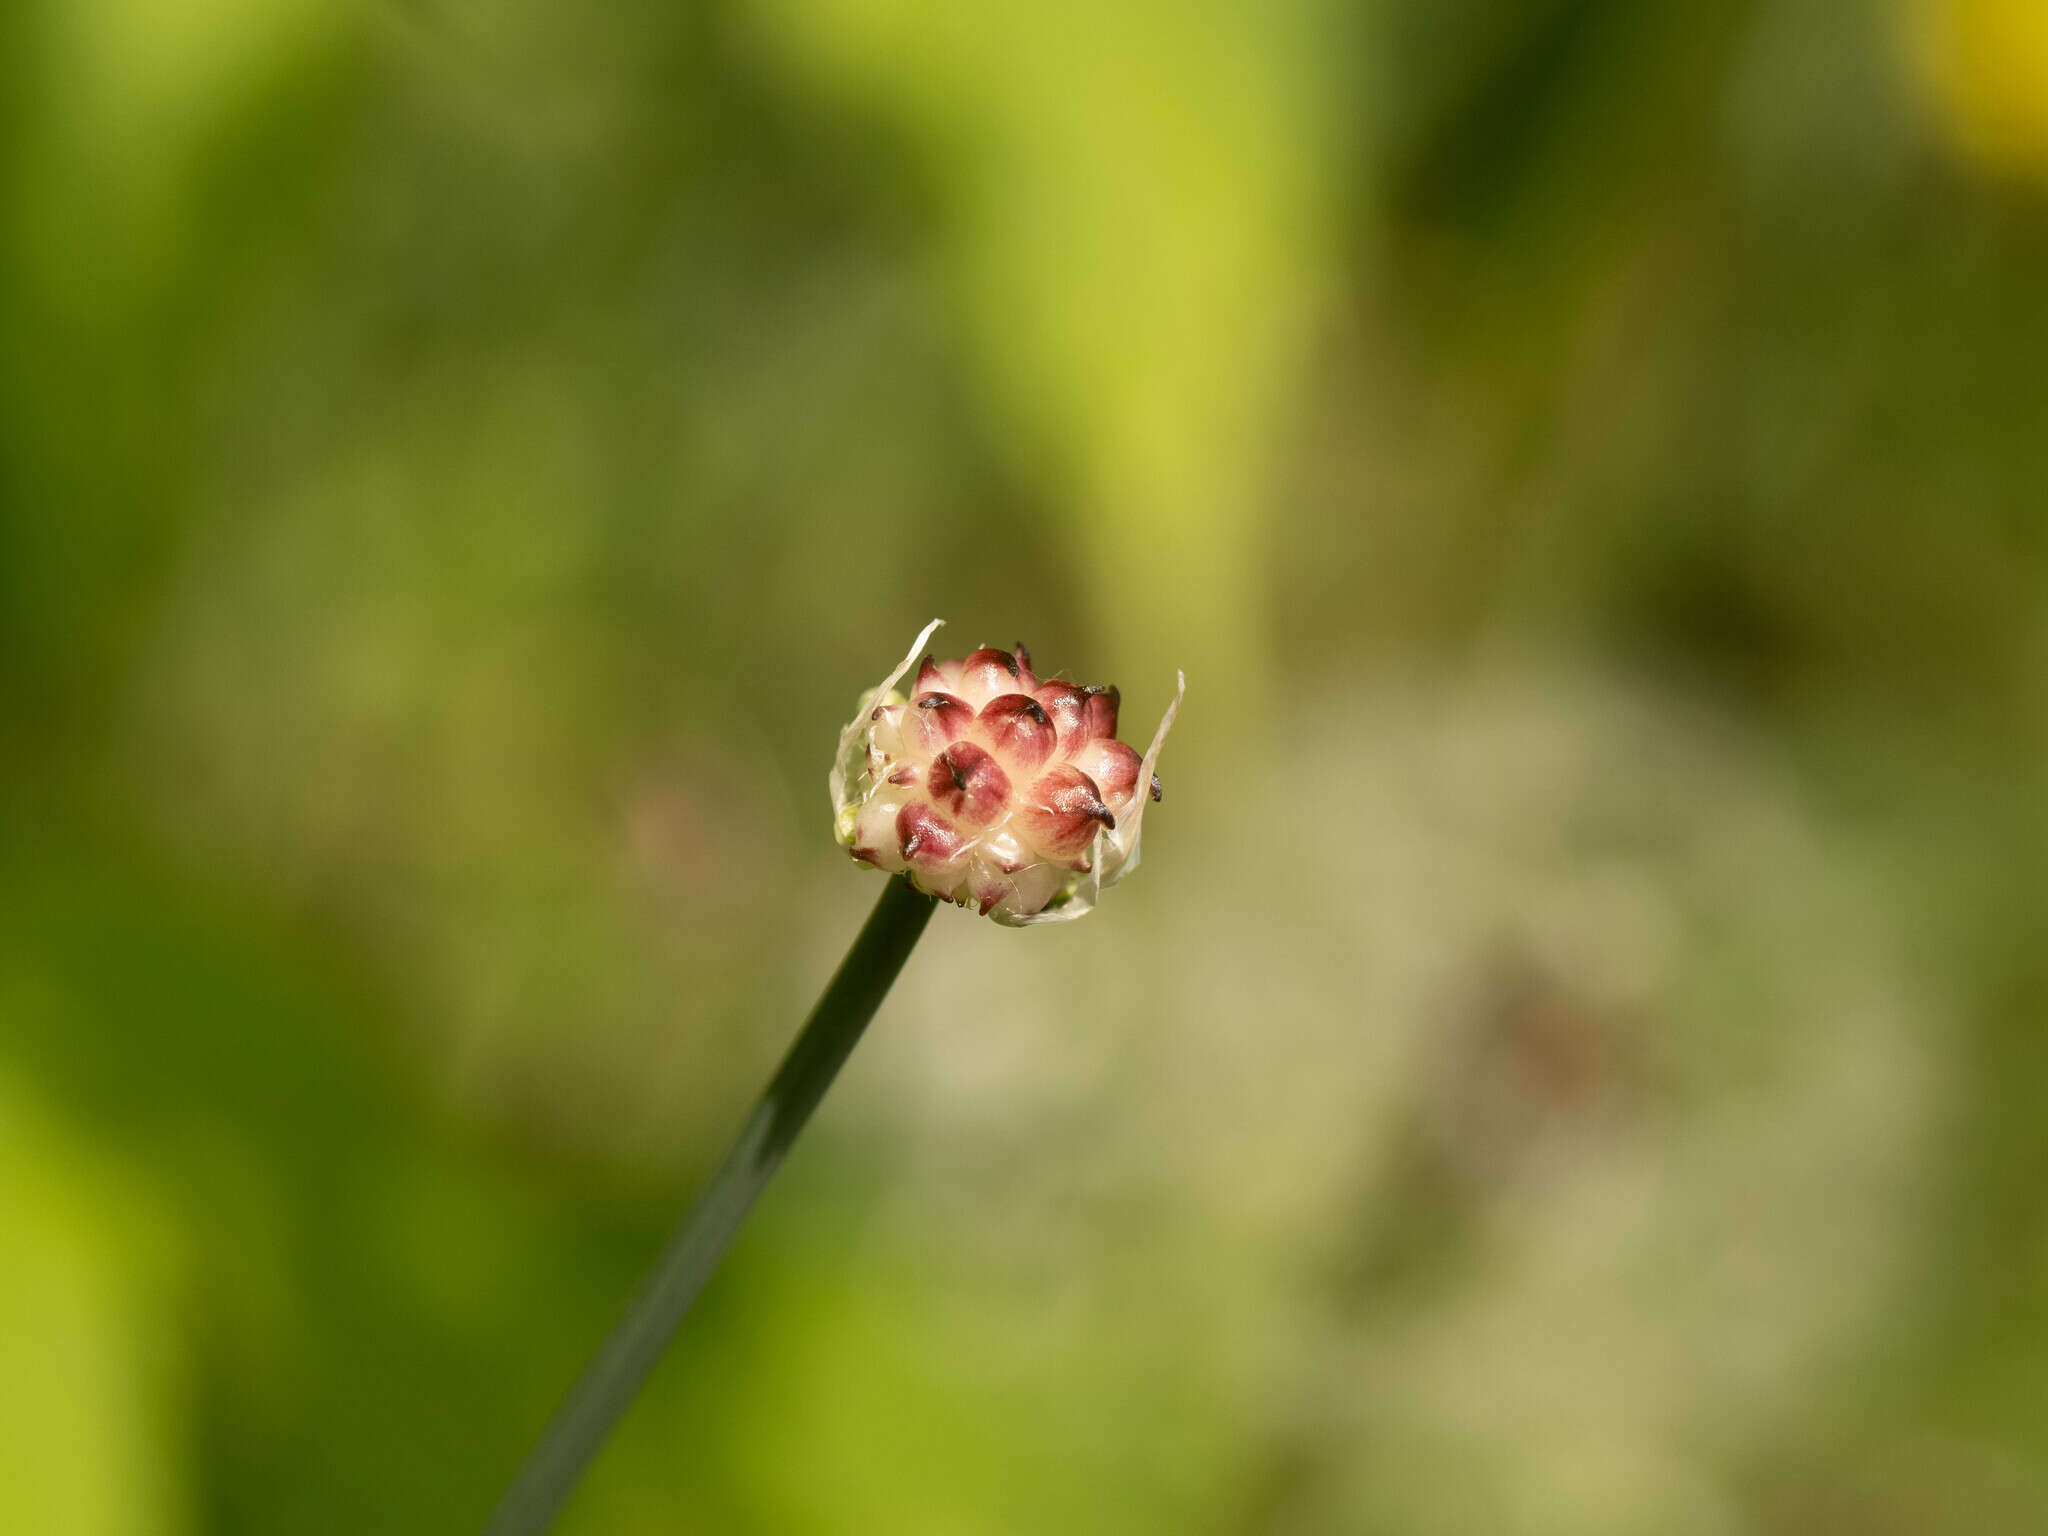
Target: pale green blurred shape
(92,1421)
(1139,200)
(142,90)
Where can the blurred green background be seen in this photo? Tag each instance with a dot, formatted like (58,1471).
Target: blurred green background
(1574,1059)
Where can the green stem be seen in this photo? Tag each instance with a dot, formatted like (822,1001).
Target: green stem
(622,1364)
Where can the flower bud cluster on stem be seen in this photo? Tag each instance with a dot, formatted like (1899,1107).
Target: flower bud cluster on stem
(993,789)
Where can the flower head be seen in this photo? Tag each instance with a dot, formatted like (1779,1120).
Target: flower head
(993,789)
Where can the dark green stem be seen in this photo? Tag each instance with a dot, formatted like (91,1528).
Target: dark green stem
(622,1364)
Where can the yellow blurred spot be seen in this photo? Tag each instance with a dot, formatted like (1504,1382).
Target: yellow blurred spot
(1984,67)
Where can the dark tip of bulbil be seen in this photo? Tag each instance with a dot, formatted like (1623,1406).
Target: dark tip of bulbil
(1009,661)
(954,772)
(1023,657)
(875,713)
(1158,789)
(1103,814)
(1036,711)
(1116,695)
(933,701)
(1089,690)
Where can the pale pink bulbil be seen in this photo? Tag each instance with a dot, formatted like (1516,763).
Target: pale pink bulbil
(992,788)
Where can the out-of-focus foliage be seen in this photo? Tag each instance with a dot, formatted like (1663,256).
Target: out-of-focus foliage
(1573,1061)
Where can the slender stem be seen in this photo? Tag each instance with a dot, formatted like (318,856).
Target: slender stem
(622,1364)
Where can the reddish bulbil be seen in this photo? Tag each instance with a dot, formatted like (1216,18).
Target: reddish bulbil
(993,789)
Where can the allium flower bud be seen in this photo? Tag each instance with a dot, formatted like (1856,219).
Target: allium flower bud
(992,789)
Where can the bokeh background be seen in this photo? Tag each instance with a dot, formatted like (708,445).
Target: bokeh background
(1574,1060)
